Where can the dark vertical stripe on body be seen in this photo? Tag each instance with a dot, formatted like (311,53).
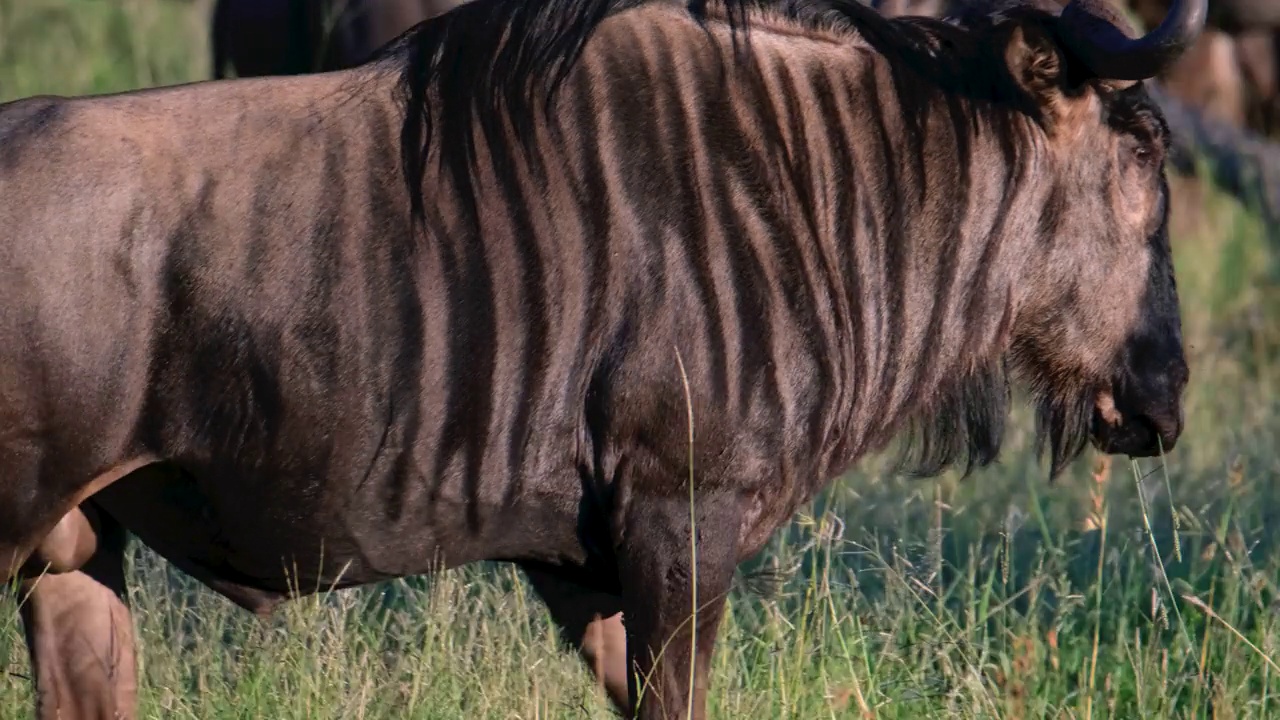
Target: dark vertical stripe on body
(888,233)
(403,331)
(795,301)
(319,327)
(526,386)
(790,218)
(472,344)
(950,190)
(1016,171)
(849,202)
(751,285)
(827,258)
(694,242)
(594,206)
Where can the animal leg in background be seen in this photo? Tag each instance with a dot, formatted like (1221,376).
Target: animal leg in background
(78,628)
(656,570)
(591,622)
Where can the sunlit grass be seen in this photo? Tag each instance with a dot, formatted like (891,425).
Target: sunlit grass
(999,596)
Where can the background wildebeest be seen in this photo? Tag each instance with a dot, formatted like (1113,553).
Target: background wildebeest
(291,37)
(682,296)
(1231,71)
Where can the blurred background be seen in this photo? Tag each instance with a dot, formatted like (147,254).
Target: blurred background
(1122,590)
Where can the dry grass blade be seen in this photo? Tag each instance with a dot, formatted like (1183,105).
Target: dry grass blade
(1204,608)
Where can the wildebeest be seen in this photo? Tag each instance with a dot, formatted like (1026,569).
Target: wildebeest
(292,37)
(557,284)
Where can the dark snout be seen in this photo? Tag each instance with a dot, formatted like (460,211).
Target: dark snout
(1141,415)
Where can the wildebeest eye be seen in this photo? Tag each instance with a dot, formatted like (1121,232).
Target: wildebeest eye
(1144,154)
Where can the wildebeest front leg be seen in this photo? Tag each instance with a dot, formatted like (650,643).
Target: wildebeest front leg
(591,622)
(79,632)
(655,565)
(67,547)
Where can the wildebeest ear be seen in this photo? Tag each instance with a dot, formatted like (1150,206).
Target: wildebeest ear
(1035,63)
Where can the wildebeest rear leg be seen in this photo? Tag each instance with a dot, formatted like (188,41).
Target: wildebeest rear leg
(658,580)
(80,635)
(591,622)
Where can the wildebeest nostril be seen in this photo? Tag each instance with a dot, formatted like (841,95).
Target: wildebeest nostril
(1166,427)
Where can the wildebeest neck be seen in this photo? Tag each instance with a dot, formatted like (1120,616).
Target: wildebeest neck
(871,218)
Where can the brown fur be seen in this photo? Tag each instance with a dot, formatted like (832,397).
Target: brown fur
(435,309)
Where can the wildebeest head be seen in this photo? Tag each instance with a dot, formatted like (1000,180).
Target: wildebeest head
(1096,329)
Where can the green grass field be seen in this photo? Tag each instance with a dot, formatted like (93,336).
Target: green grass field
(1147,590)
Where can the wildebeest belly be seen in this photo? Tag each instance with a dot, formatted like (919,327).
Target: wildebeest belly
(341,419)
(279,541)
(327,446)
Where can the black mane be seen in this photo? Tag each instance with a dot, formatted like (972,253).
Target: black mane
(490,61)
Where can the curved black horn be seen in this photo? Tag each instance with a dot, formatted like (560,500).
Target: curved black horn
(1110,54)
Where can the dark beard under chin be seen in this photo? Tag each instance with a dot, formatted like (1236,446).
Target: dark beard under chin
(1064,418)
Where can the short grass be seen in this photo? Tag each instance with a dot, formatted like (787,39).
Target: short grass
(1134,590)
